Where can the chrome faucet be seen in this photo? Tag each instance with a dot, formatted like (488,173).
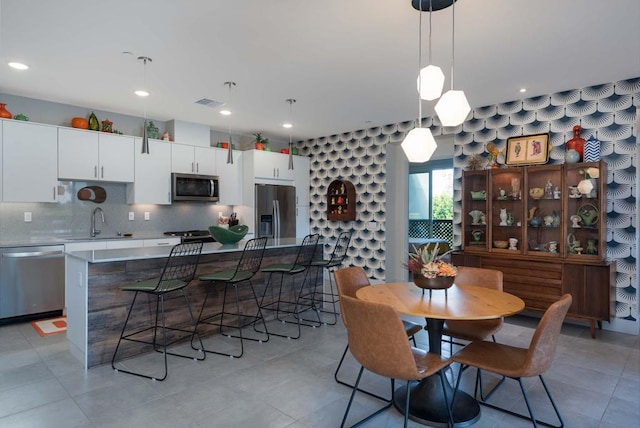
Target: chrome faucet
(95,231)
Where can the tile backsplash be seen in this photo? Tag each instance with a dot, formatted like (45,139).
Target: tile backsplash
(72,217)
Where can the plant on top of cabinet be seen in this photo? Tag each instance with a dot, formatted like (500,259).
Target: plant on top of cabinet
(261,143)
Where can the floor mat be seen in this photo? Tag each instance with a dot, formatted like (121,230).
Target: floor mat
(50,326)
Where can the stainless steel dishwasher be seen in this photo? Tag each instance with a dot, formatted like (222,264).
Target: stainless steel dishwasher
(31,280)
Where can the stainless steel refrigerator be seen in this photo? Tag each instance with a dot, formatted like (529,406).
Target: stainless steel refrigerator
(275,211)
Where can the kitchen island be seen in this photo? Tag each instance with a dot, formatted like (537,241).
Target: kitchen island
(96,307)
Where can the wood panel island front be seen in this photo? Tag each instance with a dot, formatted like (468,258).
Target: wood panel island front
(96,307)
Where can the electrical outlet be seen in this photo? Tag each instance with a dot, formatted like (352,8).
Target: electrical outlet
(132,216)
(27,216)
(147,215)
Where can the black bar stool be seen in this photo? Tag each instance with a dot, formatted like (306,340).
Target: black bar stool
(338,255)
(293,305)
(247,267)
(178,272)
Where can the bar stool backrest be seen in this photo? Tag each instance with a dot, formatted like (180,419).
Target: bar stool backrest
(252,255)
(180,267)
(340,249)
(307,250)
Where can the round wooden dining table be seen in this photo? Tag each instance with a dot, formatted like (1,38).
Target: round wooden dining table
(459,302)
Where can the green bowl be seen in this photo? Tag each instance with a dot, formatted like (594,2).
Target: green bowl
(228,235)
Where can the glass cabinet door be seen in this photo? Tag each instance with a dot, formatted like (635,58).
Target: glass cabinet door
(585,213)
(506,222)
(475,193)
(543,228)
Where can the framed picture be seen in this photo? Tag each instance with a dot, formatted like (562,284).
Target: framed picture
(528,149)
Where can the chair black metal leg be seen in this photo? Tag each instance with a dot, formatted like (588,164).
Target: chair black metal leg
(124,327)
(531,416)
(388,403)
(553,403)
(159,323)
(446,400)
(341,382)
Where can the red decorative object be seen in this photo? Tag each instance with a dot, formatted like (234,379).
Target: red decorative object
(576,143)
(4,113)
(107,126)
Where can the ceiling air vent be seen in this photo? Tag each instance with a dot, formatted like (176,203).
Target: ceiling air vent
(209,103)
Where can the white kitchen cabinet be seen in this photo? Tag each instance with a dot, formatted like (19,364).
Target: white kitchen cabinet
(29,166)
(85,246)
(301,180)
(161,242)
(302,221)
(271,165)
(116,244)
(189,159)
(229,177)
(152,179)
(95,156)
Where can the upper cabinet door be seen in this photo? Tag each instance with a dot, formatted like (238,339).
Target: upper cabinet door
(116,158)
(230,177)
(152,184)
(29,166)
(183,159)
(90,155)
(271,165)
(205,160)
(189,159)
(77,154)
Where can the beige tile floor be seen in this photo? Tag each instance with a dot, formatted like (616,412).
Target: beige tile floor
(289,383)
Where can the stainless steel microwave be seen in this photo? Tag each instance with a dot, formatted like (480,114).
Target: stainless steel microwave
(194,188)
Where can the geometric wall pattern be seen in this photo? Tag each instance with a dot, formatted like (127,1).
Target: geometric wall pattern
(607,111)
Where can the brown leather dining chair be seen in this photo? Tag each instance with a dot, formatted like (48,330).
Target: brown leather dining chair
(348,282)
(378,341)
(515,362)
(477,329)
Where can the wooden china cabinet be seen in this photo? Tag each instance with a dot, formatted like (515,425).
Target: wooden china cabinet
(544,227)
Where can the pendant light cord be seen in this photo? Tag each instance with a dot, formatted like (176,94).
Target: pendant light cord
(430,27)
(419,121)
(453,39)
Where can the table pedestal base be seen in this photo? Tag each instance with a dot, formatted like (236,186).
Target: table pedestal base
(427,405)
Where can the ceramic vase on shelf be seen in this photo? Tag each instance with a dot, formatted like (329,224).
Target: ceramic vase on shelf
(577,142)
(4,113)
(592,149)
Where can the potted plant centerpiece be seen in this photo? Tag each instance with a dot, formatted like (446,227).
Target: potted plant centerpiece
(429,269)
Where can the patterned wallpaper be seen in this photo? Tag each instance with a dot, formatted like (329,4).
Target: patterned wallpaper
(607,111)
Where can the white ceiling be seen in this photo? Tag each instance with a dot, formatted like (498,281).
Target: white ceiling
(351,64)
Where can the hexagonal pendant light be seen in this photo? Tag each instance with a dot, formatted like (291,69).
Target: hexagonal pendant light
(419,145)
(453,108)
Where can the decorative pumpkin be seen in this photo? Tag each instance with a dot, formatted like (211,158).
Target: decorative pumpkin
(80,122)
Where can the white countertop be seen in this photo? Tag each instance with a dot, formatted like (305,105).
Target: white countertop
(104,256)
(61,240)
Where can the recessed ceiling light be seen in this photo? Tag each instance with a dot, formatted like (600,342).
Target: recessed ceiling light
(523,89)
(141,93)
(225,112)
(18,66)
(287,125)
